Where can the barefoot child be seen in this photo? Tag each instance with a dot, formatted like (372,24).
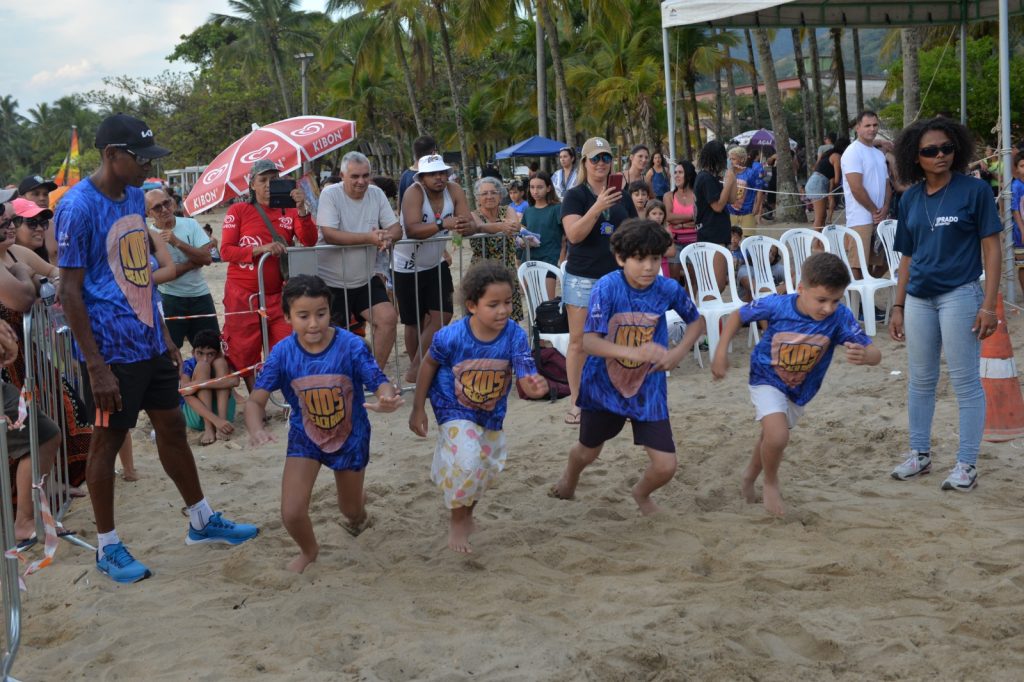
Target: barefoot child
(468,373)
(789,363)
(322,371)
(626,337)
(211,408)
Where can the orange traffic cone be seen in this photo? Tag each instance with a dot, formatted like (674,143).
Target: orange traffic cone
(1004,406)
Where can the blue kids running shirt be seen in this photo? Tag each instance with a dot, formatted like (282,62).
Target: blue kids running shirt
(795,350)
(475,376)
(110,241)
(328,422)
(630,317)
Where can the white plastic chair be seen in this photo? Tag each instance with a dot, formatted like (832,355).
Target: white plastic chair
(800,243)
(757,252)
(708,299)
(672,319)
(867,285)
(532,275)
(887,235)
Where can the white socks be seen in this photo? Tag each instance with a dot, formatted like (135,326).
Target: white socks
(107,539)
(199,514)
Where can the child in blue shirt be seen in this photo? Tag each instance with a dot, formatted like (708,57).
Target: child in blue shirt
(626,337)
(321,370)
(468,373)
(206,384)
(789,363)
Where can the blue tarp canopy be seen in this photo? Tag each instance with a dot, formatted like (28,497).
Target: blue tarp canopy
(534,146)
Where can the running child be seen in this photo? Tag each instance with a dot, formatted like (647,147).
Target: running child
(322,371)
(626,339)
(788,364)
(207,392)
(468,373)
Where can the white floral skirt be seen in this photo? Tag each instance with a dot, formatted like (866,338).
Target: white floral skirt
(466,460)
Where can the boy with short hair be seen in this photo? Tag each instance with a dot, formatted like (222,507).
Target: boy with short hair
(640,194)
(209,408)
(788,364)
(626,339)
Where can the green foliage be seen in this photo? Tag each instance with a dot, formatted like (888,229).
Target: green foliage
(200,46)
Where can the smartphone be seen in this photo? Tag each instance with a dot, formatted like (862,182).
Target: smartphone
(281,193)
(615,181)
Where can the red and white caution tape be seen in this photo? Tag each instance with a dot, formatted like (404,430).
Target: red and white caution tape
(192,387)
(262,312)
(50,539)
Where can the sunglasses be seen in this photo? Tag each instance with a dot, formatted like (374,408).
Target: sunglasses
(165,205)
(141,160)
(601,158)
(934,150)
(6,224)
(35,223)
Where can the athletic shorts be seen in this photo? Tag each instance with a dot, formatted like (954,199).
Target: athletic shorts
(425,287)
(182,306)
(18,444)
(770,400)
(196,422)
(148,385)
(349,303)
(598,427)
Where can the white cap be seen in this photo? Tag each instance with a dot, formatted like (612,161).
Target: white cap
(432,163)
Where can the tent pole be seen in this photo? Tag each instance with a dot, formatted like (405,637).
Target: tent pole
(963,73)
(1007,144)
(668,98)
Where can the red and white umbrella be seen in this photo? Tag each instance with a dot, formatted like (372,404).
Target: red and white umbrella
(288,143)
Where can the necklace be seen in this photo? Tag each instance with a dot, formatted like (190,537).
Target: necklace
(938,212)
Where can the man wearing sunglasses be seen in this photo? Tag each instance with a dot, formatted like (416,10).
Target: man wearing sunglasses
(130,363)
(865,186)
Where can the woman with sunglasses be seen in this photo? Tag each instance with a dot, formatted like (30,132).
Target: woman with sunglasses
(948,233)
(590,213)
(31,223)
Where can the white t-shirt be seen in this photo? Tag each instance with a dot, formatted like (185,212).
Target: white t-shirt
(352,266)
(870,163)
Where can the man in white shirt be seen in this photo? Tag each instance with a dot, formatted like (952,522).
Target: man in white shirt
(865,186)
(356,213)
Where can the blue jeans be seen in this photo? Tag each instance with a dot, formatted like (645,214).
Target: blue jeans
(932,325)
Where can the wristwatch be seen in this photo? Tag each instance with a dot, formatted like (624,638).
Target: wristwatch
(440,224)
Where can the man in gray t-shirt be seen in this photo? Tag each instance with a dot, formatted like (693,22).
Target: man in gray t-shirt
(357,215)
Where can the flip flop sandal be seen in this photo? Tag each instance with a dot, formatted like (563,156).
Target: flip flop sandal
(573,418)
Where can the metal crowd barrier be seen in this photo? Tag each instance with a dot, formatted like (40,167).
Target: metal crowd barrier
(49,358)
(9,590)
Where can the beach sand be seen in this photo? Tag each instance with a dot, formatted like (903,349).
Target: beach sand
(866,578)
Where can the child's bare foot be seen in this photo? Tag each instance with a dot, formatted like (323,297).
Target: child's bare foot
(562,490)
(209,437)
(747,488)
(773,499)
(299,563)
(410,375)
(130,475)
(458,536)
(24,530)
(646,504)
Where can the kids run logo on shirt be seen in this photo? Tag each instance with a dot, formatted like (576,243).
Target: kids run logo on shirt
(128,258)
(326,402)
(794,355)
(633,330)
(481,383)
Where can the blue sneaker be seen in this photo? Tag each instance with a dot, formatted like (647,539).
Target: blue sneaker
(118,564)
(219,529)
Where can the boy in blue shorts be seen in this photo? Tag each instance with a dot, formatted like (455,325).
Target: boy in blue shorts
(626,339)
(211,408)
(789,363)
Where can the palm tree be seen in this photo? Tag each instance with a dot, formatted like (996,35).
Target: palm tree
(839,76)
(542,74)
(787,209)
(268,26)
(561,89)
(753,78)
(910,42)
(702,53)
(441,17)
(810,134)
(819,95)
(858,71)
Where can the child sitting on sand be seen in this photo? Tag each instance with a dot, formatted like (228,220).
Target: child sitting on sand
(789,363)
(468,373)
(211,407)
(321,370)
(626,339)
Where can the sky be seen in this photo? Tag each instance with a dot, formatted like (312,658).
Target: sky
(49,53)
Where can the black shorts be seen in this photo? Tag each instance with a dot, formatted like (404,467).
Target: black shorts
(349,303)
(148,385)
(424,285)
(18,444)
(180,306)
(597,427)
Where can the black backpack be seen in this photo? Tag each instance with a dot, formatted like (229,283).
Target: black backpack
(551,318)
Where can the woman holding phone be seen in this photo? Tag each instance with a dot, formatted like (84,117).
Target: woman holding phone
(590,213)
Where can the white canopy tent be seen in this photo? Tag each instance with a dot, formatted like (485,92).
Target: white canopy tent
(754,14)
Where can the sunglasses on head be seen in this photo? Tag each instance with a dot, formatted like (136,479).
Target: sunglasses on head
(932,151)
(601,158)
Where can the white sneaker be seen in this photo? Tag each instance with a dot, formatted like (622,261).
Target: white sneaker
(963,477)
(915,464)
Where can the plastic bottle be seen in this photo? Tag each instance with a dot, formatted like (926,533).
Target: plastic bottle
(47,292)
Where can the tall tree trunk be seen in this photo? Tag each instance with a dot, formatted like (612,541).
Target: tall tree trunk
(858,72)
(819,95)
(560,120)
(275,60)
(691,83)
(410,91)
(734,115)
(542,79)
(810,135)
(753,79)
(839,75)
(719,101)
(551,33)
(449,65)
(909,44)
(684,127)
(786,206)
